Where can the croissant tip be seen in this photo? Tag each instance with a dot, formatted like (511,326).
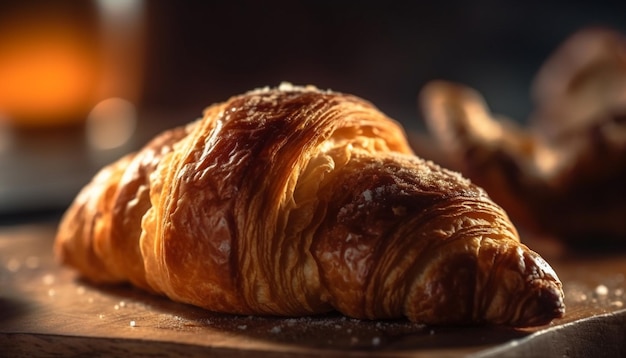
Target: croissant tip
(544,306)
(553,297)
(530,292)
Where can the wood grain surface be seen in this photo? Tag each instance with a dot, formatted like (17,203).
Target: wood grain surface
(45,310)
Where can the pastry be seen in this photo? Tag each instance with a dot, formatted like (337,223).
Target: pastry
(562,172)
(294,201)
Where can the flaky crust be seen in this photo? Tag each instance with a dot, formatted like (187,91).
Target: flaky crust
(295,201)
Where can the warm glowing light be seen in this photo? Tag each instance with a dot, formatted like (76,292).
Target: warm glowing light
(57,61)
(111,124)
(47,71)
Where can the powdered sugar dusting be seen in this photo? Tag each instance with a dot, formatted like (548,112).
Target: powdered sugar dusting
(286,87)
(333,329)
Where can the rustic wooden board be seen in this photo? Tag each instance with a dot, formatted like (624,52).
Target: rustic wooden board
(46,310)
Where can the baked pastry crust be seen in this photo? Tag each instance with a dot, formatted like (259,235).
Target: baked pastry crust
(295,201)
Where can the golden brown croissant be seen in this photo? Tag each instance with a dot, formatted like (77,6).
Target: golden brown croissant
(563,174)
(296,201)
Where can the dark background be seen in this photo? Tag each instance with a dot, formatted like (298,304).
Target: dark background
(196,53)
(201,52)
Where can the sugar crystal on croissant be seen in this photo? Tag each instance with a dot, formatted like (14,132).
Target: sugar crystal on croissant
(293,201)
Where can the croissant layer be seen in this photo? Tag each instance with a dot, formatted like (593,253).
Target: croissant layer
(295,201)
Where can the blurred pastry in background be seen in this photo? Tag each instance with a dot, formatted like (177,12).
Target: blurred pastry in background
(562,173)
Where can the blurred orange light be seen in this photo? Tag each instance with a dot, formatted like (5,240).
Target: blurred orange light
(47,73)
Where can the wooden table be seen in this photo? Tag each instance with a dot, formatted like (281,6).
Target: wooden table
(45,311)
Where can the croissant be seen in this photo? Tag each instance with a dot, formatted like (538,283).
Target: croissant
(295,201)
(561,173)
